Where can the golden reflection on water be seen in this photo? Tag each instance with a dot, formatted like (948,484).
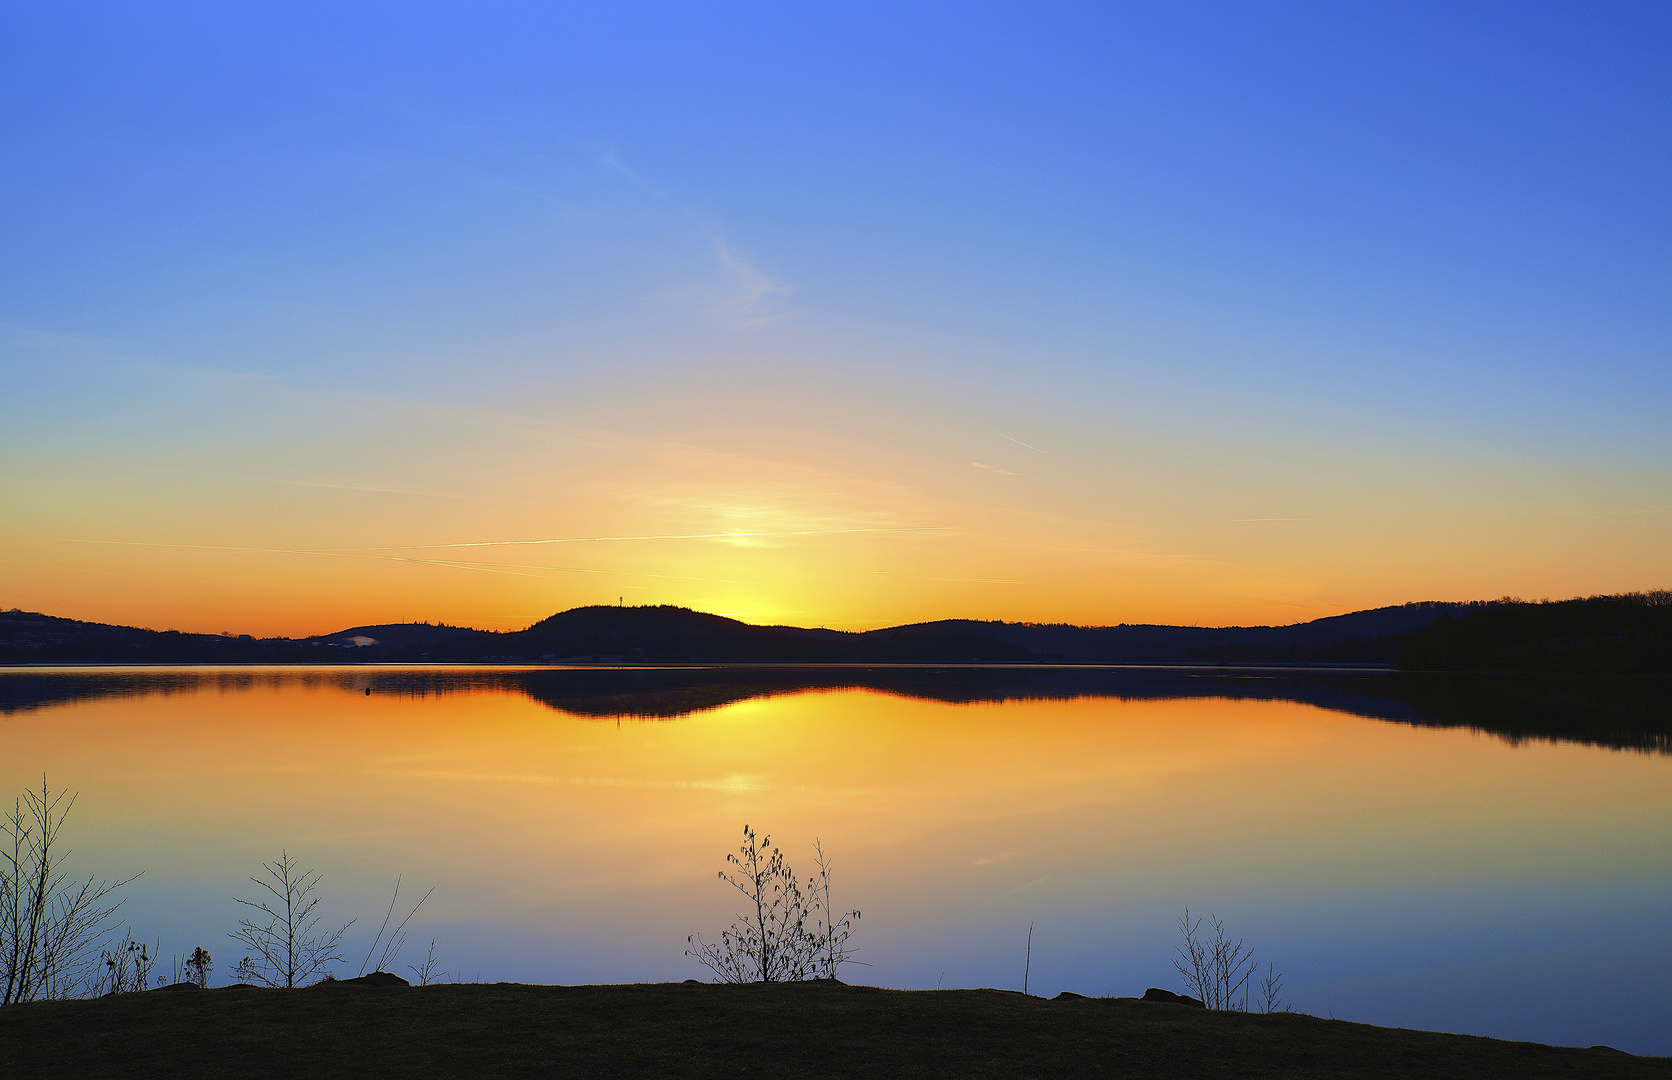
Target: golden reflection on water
(528,803)
(570,849)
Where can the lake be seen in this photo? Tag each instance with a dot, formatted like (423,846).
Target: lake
(1491,856)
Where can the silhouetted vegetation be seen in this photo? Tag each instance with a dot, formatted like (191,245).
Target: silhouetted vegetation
(430,970)
(52,926)
(393,942)
(127,967)
(1628,633)
(289,945)
(195,969)
(788,934)
(1219,971)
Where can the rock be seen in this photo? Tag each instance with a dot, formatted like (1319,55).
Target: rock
(376,978)
(1157,994)
(1069,995)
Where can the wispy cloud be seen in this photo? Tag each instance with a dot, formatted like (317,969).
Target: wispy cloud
(53,566)
(985,580)
(747,302)
(363,487)
(609,159)
(992,468)
(734,291)
(661,536)
(475,568)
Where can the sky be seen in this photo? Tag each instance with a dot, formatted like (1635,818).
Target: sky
(321,315)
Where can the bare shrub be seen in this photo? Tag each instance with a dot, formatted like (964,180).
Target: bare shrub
(127,966)
(51,926)
(1216,969)
(790,934)
(397,940)
(289,946)
(831,932)
(1271,985)
(771,943)
(430,970)
(194,969)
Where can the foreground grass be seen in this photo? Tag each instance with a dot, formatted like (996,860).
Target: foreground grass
(691,1030)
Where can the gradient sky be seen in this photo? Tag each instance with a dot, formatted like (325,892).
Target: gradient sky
(865,314)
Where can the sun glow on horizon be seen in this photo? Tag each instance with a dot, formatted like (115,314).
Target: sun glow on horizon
(617,328)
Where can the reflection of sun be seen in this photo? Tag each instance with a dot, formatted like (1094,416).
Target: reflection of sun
(736,784)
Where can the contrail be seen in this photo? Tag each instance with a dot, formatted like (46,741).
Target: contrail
(1019,442)
(1549,513)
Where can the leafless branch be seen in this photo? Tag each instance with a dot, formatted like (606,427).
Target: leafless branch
(288,946)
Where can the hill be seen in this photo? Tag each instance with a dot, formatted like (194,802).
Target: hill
(666,634)
(1359,637)
(1629,632)
(702,1030)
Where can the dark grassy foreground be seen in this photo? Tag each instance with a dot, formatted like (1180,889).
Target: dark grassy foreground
(703,1030)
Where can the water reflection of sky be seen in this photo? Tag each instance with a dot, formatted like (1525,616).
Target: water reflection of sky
(1397,875)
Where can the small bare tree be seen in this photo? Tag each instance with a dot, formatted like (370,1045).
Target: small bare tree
(289,946)
(430,970)
(831,932)
(51,926)
(1216,968)
(770,943)
(1271,986)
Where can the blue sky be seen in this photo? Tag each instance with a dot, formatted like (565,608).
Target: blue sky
(1185,251)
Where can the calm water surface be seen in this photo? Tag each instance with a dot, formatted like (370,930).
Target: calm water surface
(1396,872)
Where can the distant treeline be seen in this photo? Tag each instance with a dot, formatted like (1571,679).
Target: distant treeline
(673,635)
(1627,633)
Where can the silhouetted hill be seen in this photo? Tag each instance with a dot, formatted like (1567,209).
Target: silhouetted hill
(1360,637)
(673,634)
(1601,634)
(1629,632)
(697,1031)
(600,634)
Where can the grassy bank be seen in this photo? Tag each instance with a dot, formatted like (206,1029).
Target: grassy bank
(694,1030)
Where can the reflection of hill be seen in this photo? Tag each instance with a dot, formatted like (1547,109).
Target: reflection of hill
(1624,713)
